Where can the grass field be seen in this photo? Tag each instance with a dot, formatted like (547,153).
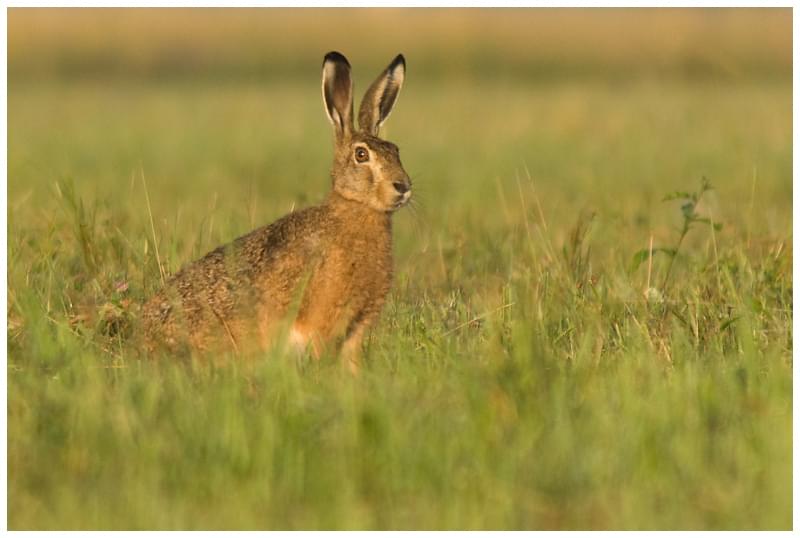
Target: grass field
(534,368)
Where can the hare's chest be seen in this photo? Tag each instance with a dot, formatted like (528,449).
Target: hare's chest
(361,274)
(348,283)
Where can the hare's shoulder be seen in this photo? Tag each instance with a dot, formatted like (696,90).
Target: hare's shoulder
(298,232)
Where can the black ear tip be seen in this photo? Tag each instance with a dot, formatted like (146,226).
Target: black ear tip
(399,60)
(336,57)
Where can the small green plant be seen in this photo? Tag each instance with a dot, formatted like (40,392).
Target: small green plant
(690,218)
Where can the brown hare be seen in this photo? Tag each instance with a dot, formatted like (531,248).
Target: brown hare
(327,268)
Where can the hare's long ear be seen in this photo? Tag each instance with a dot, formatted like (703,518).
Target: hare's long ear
(381,96)
(337,92)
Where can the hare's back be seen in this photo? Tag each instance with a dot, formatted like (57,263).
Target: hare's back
(239,281)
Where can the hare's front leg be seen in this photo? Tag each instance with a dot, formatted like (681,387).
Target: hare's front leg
(302,339)
(352,346)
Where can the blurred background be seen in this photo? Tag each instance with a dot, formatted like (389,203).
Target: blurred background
(533,44)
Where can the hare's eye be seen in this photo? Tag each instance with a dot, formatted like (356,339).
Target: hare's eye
(362,155)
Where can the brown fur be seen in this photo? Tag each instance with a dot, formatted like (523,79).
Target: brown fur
(332,262)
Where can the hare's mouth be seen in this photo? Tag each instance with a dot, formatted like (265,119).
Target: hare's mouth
(401,200)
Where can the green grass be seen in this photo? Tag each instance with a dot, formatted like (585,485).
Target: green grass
(519,378)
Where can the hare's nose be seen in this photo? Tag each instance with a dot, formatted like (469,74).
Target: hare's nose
(402,188)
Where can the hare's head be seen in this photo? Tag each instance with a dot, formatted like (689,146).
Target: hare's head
(366,168)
